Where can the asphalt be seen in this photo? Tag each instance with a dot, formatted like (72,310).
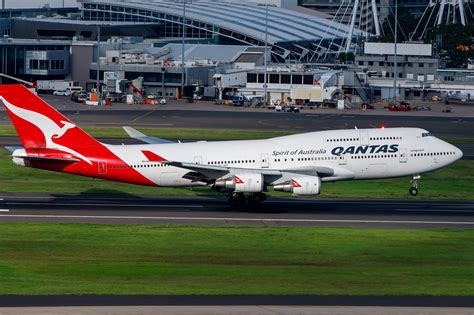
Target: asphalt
(215,211)
(233,300)
(304,122)
(231,309)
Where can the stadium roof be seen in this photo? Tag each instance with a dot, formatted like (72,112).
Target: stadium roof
(292,34)
(284,25)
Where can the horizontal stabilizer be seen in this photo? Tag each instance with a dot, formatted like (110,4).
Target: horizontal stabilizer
(50,159)
(135,134)
(20,153)
(13,148)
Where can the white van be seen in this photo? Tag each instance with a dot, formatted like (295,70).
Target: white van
(69,91)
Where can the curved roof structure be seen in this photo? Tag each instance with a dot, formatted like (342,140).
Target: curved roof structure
(289,32)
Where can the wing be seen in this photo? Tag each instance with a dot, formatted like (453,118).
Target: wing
(135,134)
(209,173)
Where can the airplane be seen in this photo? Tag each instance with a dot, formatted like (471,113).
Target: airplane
(296,164)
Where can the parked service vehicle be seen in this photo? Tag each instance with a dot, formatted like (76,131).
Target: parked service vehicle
(78,97)
(49,86)
(61,93)
(292,109)
(68,91)
(238,100)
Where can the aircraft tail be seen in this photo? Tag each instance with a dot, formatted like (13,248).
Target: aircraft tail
(39,125)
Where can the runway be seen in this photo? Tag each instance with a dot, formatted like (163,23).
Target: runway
(303,122)
(215,211)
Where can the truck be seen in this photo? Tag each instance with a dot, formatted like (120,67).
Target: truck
(205,93)
(49,86)
(315,96)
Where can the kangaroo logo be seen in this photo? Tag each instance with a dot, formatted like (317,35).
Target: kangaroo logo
(50,129)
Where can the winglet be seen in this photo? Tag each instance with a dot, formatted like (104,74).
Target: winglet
(152,157)
(135,134)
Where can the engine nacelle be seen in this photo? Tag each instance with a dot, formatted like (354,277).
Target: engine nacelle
(245,183)
(305,185)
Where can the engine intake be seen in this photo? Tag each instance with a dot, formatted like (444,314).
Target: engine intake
(307,185)
(245,183)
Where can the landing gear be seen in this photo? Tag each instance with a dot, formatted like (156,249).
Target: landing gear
(237,200)
(240,201)
(413,190)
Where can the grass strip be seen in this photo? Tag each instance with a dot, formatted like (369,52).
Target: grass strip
(172,133)
(453,182)
(150,259)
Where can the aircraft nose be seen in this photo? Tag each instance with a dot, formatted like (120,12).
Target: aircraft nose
(458,153)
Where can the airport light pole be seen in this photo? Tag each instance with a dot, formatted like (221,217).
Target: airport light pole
(265,80)
(98,65)
(182,48)
(395,74)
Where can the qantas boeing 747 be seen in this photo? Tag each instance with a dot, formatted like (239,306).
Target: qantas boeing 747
(297,164)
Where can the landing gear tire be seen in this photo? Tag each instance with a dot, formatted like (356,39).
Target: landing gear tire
(413,191)
(240,201)
(254,200)
(237,200)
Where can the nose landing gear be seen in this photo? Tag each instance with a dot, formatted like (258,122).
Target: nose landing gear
(413,190)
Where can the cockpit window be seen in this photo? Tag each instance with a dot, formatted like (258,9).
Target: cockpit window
(426,134)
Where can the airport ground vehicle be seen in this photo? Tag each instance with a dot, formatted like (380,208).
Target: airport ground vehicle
(50,86)
(78,97)
(68,91)
(291,109)
(238,100)
(61,93)
(297,164)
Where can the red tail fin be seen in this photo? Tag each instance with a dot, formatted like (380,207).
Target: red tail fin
(39,125)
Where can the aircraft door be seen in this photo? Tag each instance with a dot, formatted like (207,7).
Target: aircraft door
(403,155)
(364,138)
(342,159)
(265,162)
(102,167)
(198,159)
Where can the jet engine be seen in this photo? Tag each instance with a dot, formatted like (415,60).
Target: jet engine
(305,185)
(243,183)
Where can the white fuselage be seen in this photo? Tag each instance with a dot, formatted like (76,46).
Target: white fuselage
(350,154)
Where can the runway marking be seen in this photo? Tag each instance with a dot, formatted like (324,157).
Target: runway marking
(230,219)
(144,115)
(434,210)
(4,210)
(101,204)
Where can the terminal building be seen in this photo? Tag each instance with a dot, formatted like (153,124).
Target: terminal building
(416,69)
(290,34)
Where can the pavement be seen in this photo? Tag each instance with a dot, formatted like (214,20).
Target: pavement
(302,122)
(64,103)
(106,304)
(236,310)
(215,211)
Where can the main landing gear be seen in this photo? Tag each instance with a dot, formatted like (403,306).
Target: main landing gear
(241,201)
(413,190)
